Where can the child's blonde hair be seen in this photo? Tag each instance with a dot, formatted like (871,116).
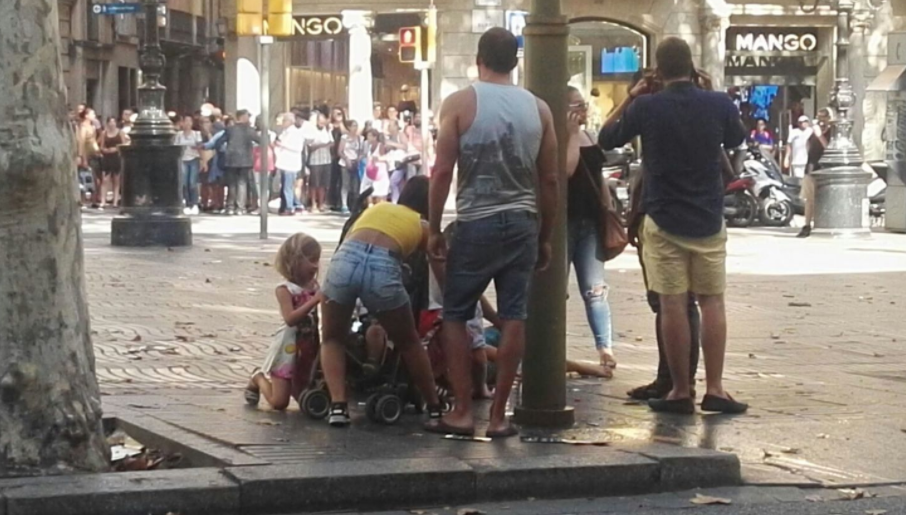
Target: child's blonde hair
(299,245)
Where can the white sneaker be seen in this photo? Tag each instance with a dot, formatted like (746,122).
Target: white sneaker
(195,210)
(187,210)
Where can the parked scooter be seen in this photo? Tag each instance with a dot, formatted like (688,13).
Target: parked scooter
(740,207)
(776,207)
(616,175)
(877,193)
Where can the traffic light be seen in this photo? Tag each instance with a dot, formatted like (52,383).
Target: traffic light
(280,17)
(410,44)
(249,18)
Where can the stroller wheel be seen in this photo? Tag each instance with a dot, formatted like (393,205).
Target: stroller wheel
(315,404)
(389,408)
(371,407)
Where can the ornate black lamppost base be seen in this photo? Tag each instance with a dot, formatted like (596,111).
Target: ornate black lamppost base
(155,230)
(152,212)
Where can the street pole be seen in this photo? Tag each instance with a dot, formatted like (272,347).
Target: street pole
(841,196)
(264,141)
(424,90)
(543,400)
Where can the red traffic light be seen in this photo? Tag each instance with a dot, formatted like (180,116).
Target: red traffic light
(410,44)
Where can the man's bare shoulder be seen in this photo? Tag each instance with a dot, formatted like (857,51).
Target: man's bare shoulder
(463,98)
(544,112)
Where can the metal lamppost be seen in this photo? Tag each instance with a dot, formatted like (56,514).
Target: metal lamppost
(543,400)
(841,196)
(152,201)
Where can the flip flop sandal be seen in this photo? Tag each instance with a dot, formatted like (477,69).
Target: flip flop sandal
(609,363)
(252,397)
(442,428)
(509,431)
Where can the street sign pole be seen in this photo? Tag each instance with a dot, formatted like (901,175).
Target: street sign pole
(264,143)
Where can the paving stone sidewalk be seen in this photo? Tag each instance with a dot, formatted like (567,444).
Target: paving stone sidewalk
(814,346)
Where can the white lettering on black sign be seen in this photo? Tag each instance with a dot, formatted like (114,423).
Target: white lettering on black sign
(317,26)
(752,42)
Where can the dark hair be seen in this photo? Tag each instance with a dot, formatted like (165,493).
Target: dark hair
(242,112)
(415,195)
(109,118)
(497,50)
(674,59)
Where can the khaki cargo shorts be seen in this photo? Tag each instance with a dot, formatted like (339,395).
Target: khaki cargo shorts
(675,265)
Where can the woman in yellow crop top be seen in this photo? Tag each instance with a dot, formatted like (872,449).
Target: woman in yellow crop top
(368,266)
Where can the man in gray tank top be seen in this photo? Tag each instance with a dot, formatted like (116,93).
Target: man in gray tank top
(502,139)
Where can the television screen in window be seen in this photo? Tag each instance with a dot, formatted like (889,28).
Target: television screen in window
(622,59)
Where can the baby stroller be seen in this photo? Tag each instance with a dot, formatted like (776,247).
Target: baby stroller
(385,384)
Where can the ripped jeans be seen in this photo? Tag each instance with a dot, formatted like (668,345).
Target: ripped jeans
(584,254)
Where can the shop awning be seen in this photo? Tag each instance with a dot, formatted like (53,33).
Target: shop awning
(893,78)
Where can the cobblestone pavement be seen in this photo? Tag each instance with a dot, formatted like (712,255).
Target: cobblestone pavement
(815,346)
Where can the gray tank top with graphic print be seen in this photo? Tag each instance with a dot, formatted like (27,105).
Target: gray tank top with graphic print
(497,155)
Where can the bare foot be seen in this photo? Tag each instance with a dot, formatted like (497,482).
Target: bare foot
(464,426)
(608,360)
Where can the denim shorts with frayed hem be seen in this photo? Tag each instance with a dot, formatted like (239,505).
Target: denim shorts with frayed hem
(367,272)
(502,247)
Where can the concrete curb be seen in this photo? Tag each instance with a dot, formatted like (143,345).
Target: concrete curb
(375,484)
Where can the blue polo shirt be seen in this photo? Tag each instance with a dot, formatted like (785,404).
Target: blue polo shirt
(684,130)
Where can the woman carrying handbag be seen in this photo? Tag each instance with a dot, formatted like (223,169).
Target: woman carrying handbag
(595,233)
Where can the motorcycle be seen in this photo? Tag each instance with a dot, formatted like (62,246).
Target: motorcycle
(776,207)
(740,207)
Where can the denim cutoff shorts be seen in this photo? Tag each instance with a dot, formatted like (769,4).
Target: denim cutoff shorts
(368,272)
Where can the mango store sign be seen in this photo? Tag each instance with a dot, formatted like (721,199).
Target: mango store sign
(771,39)
(317,26)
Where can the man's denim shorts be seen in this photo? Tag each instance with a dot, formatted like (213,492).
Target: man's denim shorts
(501,247)
(368,272)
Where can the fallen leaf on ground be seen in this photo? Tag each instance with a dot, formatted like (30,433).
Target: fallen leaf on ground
(207,281)
(752,356)
(814,498)
(775,336)
(135,358)
(799,305)
(185,323)
(823,436)
(469,511)
(266,422)
(235,349)
(209,335)
(853,494)
(639,339)
(183,338)
(137,338)
(171,352)
(707,500)
(790,450)
(767,454)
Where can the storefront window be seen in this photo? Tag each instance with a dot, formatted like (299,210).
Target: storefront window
(604,58)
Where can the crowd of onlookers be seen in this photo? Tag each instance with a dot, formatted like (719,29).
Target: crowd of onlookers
(318,159)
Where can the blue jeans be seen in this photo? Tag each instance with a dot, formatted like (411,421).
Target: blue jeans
(502,247)
(368,272)
(584,254)
(288,191)
(189,176)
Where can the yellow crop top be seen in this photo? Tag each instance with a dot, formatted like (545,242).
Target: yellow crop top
(400,223)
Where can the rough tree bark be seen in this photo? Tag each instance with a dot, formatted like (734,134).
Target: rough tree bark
(50,409)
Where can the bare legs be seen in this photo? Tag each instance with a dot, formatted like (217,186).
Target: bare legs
(276,391)
(400,328)
(675,326)
(714,341)
(512,347)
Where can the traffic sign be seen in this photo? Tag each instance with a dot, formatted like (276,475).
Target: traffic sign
(116,8)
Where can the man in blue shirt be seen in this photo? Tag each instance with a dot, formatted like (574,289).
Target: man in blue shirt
(684,131)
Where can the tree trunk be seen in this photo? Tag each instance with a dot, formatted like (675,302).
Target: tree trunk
(50,409)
